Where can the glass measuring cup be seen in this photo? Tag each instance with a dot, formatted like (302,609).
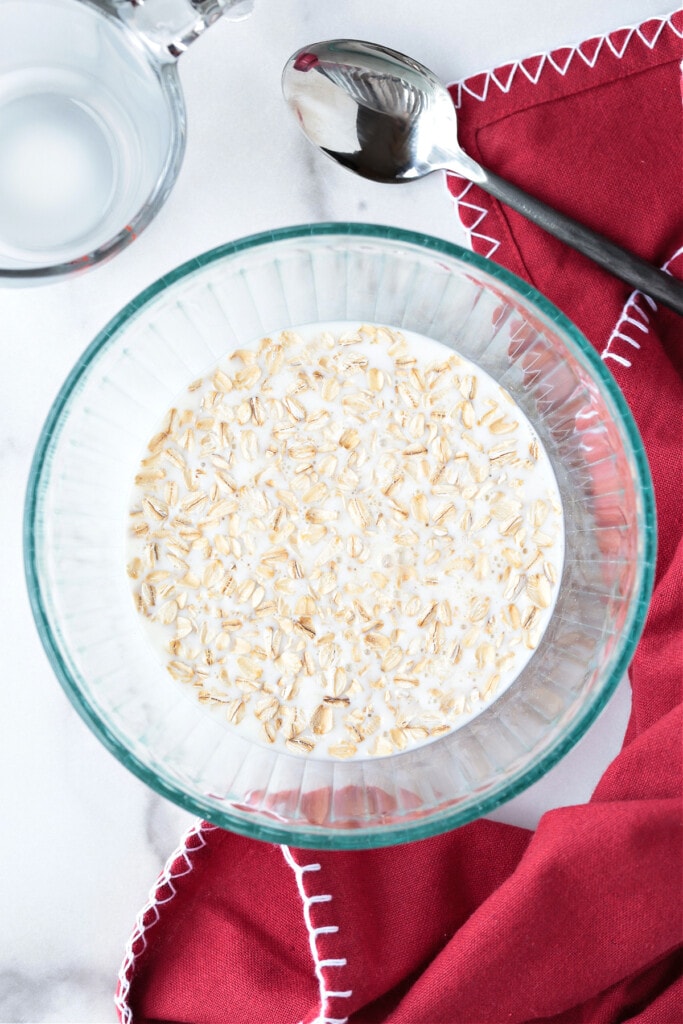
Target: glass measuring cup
(92,124)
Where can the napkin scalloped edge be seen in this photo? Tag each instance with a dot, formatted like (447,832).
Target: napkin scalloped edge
(557,60)
(180,863)
(635,317)
(320,965)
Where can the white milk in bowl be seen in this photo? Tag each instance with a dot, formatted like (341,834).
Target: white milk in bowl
(345,540)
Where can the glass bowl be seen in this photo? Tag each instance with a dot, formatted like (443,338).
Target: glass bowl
(80,486)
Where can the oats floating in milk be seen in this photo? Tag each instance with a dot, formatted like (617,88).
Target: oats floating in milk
(347,541)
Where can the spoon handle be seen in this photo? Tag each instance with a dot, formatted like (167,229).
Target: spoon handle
(630,268)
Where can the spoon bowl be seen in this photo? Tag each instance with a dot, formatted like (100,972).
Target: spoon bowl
(375,111)
(388,118)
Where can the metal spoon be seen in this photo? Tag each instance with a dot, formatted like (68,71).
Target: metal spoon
(388,118)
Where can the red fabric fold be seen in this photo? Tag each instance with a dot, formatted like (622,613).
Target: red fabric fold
(581,921)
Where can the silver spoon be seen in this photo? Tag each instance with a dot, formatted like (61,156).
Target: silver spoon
(388,118)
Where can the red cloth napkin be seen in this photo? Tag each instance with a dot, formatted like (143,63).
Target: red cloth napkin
(581,921)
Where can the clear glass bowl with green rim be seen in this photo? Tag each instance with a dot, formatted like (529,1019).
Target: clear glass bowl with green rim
(112,402)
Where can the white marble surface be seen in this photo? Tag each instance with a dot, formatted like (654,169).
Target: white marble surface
(82,840)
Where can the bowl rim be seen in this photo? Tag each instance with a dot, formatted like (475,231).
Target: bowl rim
(375,835)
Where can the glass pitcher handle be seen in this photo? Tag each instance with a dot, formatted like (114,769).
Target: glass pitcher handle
(170,26)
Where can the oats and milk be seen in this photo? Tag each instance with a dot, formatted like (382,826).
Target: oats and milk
(347,541)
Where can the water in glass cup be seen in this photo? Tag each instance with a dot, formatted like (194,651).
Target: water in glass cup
(87,130)
(60,168)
